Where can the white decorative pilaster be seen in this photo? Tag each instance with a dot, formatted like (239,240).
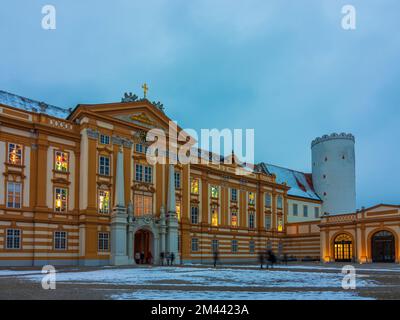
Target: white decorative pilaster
(172,221)
(131,260)
(119,217)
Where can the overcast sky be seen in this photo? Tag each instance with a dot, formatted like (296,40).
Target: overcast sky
(285,68)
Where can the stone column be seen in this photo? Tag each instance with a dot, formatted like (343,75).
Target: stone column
(131,260)
(172,221)
(163,229)
(119,217)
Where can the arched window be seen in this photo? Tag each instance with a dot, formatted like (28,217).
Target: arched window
(383,247)
(343,248)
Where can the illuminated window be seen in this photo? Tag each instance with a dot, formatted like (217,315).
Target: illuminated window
(13,239)
(234,218)
(214,192)
(195,244)
(280,224)
(214,217)
(251,220)
(104,139)
(61,197)
(234,195)
(177,176)
(103,241)
(60,240)
(143,204)
(268,200)
(104,201)
(279,202)
(14,195)
(61,161)
(252,198)
(234,246)
(267,221)
(194,186)
(194,213)
(343,248)
(15,153)
(104,165)
(178,210)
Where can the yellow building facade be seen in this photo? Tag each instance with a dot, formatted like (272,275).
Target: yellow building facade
(76,189)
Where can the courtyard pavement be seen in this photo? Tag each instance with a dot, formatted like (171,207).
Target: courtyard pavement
(305,281)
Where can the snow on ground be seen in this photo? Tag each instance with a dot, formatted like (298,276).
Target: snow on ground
(10,273)
(235,295)
(226,277)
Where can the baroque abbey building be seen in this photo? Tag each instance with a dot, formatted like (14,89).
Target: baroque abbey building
(76,189)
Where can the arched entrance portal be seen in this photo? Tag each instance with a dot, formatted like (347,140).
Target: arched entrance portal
(143,250)
(343,248)
(383,247)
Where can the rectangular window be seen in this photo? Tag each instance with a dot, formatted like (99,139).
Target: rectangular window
(295,209)
(103,241)
(139,172)
(178,210)
(251,220)
(214,245)
(104,165)
(195,244)
(104,139)
(104,201)
(194,210)
(279,202)
(61,161)
(60,240)
(214,216)
(234,218)
(139,148)
(13,239)
(15,153)
(252,198)
(268,200)
(267,221)
(61,199)
(214,192)
(316,212)
(252,246)
(234,245)
(194,186)
(143,204)
(177,180)
(148,174)
(305,211)
(234,195)
(280,224)
(14,194)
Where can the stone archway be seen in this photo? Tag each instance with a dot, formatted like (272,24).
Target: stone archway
(383,246)
(143,249)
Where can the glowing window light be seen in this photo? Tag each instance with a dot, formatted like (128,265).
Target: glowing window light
(15,154)
(214,192)
(61,163)
(214,218)
(61,200)
(234,219)
(178,211)
(194,186)
(252,198)
(280,225)
(104,201)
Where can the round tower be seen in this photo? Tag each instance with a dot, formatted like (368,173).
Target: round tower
(333,172)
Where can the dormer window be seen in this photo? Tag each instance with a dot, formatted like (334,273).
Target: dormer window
(61,161)
(15,153)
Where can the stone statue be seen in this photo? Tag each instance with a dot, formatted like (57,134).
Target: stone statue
(129,97)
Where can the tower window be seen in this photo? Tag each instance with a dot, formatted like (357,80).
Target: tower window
(324,193)
(326,159)
(324,176)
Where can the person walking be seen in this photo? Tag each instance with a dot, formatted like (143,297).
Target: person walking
(162,258)
(168,258)
(215,258)
(172,258)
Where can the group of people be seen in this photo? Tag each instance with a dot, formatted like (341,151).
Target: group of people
(269,258)
(141,258)
(168,257)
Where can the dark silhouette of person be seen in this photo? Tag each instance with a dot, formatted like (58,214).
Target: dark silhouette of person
(168,258)
(271,258)
(261,259)
(215,258)
(162,256)
(172,258)
(142,257)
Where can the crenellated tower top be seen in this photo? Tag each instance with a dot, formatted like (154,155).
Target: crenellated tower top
(332,136)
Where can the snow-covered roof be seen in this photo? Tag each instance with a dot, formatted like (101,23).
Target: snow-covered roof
(16,101)
(300,183)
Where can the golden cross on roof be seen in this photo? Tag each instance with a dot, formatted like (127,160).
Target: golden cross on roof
(145,89)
